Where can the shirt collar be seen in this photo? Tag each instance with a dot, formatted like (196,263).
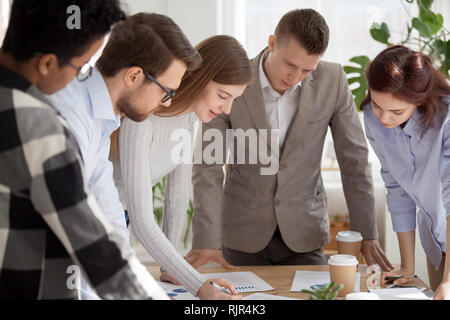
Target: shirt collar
(412,127)
(11,79)
(264,81)
(102,107)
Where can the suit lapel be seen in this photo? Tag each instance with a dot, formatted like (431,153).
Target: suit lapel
(254,99)
(305,107)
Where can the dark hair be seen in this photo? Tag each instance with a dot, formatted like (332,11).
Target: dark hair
(148,40)
(41,26)
(224,61)
(307,26)
(410,76)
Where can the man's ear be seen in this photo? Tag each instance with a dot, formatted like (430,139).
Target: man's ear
(47,63)
(271,43)
(132,75)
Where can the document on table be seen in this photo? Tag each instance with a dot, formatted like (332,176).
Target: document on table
(264,296)
(245,281)
(400,294)
(177,292)
(307,279)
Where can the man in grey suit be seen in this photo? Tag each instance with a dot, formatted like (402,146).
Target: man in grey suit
(282,218)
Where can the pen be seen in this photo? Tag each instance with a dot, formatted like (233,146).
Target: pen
(220,288)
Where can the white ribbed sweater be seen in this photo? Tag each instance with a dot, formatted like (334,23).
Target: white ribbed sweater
(145,158)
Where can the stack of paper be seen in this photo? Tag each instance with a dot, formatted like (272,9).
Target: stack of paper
(243,281)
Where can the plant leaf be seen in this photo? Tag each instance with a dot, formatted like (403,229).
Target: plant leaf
(423,28)
(357,76)
(380,33)
(424,4)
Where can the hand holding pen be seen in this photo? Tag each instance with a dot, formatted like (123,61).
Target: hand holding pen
(218,289)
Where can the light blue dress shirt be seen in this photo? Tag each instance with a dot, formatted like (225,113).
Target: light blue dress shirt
(87,108)
(416,171)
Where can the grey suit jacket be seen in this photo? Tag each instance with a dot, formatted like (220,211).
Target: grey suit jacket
(242,213)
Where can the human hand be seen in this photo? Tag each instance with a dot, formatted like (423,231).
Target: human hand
(210,292)
(406,274)
(373,253)
(199,257)
(167,277)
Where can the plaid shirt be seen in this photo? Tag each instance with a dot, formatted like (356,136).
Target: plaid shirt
(49,221)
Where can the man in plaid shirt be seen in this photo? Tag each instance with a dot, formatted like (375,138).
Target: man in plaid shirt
(49,221)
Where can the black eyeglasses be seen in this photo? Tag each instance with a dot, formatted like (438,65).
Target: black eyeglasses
(169,93)
(83,72)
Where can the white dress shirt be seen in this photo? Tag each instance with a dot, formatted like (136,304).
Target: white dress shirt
(280,109)
(87,108)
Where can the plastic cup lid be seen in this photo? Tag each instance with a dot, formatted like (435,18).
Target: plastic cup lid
(343,260)
(349,236)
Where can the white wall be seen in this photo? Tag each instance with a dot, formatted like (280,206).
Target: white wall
(197,18)
(158,6)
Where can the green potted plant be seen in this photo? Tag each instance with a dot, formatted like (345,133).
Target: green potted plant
(328,291)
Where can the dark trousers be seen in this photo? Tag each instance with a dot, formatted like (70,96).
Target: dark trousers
(276,253)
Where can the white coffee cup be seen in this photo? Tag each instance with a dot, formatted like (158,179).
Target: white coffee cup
(343,271)
(362,296)
(349,242)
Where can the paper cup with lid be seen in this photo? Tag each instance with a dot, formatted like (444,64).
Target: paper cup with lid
(349,242)
(343,271)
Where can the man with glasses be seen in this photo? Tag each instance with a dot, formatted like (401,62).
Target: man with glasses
(131,82)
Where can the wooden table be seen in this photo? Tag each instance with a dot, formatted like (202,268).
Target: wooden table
(279,277)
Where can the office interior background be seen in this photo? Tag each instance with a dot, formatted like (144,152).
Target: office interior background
(252,21)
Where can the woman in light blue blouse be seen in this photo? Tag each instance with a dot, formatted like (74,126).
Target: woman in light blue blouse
(408,125)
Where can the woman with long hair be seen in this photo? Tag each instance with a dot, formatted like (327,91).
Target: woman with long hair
(408,125)
(146,155)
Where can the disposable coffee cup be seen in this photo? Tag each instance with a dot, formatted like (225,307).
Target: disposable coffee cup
(343,271)
(349,242)
(362,296)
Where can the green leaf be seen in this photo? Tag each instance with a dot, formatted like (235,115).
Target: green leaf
(190,213)
(356,75)
(445,67)
(361,60)
(424,4)
(440,46)
(432,20)
(423,27)
(380,33)
(158,212)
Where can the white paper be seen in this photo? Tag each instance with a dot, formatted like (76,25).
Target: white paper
(243,281)
(265,296)
(177,292)
(400,294)
(307,279)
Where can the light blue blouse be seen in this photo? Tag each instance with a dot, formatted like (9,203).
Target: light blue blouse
(416,171)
